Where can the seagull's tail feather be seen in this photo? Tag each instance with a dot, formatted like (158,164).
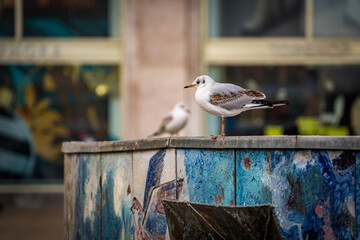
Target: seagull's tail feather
(264,103)
(158,132)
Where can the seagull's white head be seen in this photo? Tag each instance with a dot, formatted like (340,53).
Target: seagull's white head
(202,81)
(182,106)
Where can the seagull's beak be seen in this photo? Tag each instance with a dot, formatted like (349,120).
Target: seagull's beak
(190,85)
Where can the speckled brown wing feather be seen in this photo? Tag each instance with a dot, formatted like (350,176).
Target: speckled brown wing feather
(230,96)
(255,94)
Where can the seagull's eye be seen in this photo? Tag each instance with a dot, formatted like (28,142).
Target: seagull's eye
(203,81)
(197,82)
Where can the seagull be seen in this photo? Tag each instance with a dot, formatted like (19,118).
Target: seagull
(227,100)
(174,121)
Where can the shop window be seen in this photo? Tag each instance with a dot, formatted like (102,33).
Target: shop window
(7,13)
(309,56)
(42,106)
(82,18)
(336,18)
(324,100)
(262,18)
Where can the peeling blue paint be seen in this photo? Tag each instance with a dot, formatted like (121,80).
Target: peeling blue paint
(357,194)
(312,197)
(253,179)
(86,228)
(209,176)
(115,226)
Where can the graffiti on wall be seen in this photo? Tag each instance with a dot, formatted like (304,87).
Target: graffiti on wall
(149,217)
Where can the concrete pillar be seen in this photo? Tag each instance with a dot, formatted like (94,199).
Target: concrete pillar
(161,56)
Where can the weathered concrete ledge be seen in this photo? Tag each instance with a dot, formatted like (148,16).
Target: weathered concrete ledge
(236,142)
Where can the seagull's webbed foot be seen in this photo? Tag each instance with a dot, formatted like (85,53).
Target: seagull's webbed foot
(216,136)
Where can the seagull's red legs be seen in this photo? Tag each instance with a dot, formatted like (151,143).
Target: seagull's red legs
(222,129)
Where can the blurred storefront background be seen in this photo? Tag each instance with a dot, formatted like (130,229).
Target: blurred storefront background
(95,70)
(53,86)
(59,81)
(306,51)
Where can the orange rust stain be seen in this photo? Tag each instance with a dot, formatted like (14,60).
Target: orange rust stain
(246,161)
(219,198)
(232,202)
(268,168)
(97,210)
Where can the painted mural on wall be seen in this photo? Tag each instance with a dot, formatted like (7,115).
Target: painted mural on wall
(313,191)
(149,215)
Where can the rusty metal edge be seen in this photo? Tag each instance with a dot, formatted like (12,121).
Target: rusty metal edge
(231,142)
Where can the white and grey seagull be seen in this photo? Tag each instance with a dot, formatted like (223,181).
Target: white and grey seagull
(227,100)
(174,121)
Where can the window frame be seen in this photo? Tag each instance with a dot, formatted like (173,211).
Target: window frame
(50,50)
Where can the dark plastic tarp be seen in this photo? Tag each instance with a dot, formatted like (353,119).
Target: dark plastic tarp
(201,221)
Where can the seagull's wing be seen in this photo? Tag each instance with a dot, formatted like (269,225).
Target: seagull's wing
(167,119)
(230,96)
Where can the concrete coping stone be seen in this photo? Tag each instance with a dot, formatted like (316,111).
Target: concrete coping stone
(228,142)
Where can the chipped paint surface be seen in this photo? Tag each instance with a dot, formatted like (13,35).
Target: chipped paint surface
(91,187)
(71,165)
(208,176)
(117,220)
(357,194)
(311,197)
(315,193)
(253,182)
(87,198)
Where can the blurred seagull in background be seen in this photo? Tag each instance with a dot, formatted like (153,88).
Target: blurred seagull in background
(174,121)
(227,100)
